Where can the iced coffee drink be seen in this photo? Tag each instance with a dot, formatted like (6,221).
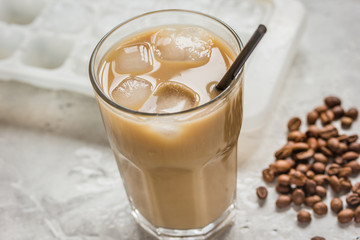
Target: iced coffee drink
(174,135)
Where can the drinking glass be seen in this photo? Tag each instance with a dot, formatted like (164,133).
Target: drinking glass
(179,169)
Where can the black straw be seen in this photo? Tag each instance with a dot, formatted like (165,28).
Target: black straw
(241,59)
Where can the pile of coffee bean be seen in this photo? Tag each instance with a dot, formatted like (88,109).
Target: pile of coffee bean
(311,161)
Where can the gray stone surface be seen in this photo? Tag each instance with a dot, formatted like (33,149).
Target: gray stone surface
(58,178)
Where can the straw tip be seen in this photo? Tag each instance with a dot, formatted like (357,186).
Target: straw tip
(262,28)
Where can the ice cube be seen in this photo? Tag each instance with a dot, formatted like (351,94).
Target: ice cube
(132,92)
(134,59)
(171,97)
(183,44)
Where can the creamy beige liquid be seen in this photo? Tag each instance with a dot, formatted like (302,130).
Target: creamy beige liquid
(179,174)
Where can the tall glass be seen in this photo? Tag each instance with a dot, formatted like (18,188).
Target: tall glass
(179,169)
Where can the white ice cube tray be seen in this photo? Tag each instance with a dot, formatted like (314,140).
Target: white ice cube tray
(48,43)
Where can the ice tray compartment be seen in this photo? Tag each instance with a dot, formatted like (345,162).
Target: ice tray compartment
(67,17)
(47,51)
(21,12)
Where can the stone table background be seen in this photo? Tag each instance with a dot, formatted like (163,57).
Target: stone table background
(58,178)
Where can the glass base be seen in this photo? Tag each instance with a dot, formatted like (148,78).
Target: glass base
(190,234)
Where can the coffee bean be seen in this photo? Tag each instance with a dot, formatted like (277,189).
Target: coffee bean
(302,167)
(329,128)
(332,101)
(345,172)
(338,160)
(298,196)
(333,169)
(313,131)
(326,151)
(338,112)
(345,184)
(294,124)
(320,208)
(282,166)
(268,175)
(346,122)
(356,188)
(317,238)
(335,184)
(305,154)
(318,167)
(321,143)
(312,142)
(296,136)
(273,168)
(300,146)
(352,113)
(283,189)
(355,147)
(355,167)
(353,199)
(320,191)
(336,205)
(283,201)
(342,138)
(351,138)
(321,179)
(320,157)
(349,156)
(330,114)
(342,148)
(284,179)
(303,217)
(333,144)
(261,192)
(327,117)
(310,187)
(291,162)
(283,153)
(312,117)
(297,178)
(345,215)
(310,174)
(357,215)
(321,109)
(329,131)
(311,200)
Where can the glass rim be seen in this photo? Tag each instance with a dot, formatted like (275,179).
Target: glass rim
(117,106)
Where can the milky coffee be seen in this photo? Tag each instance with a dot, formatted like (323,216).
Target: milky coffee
(179,169)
